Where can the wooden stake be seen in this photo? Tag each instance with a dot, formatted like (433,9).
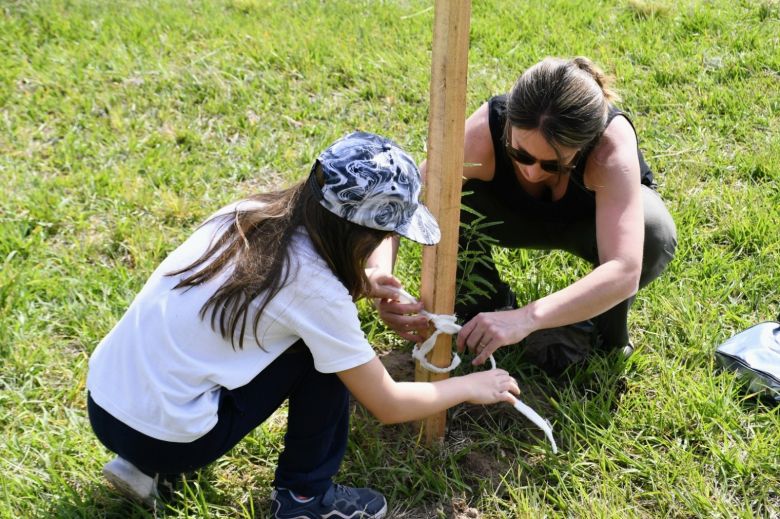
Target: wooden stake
(446,123)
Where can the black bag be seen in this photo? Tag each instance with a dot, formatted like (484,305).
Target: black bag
(755,355)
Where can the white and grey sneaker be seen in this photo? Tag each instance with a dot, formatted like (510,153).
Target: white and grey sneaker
(131,482)
(338,502)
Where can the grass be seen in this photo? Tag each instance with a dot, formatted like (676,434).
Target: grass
(122,125)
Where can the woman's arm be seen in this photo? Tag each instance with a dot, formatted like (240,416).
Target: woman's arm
(393,402)
(478,157)
(613,173)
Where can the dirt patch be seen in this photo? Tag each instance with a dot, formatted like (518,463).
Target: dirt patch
(484,467)
(399,364)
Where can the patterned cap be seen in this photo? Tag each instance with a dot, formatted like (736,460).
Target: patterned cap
(370,181)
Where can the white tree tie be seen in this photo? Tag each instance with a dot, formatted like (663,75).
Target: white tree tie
(446,324)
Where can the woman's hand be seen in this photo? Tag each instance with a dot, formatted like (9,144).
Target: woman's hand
(489,331)
(491,387)
(402,318)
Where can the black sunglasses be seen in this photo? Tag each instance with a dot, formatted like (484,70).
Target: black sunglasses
(525,158)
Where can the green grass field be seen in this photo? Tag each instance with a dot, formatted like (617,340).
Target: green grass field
(124,124)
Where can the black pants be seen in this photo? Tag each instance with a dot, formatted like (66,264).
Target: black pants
(317,426)
(520,230)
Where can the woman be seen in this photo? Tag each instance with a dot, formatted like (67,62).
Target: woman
(557,164)
(257,307)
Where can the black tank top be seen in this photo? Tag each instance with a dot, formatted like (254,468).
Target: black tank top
(577,201)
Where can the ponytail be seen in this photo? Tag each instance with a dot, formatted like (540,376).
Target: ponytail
(602,80)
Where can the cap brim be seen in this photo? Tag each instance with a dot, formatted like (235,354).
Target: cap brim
(422,227)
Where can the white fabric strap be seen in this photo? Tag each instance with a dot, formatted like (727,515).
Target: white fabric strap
(443,324)
(446,324)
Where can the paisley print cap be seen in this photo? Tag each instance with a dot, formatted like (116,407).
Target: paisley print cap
(372,182)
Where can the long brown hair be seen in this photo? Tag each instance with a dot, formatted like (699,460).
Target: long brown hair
(256,247)
(566,100)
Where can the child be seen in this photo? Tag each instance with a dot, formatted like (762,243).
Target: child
(257,307)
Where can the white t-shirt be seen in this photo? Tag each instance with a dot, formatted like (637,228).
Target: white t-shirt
(160,369)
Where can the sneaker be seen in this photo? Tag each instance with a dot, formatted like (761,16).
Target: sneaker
(131,482)
(339,502)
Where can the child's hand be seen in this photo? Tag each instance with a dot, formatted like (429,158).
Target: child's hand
(404,320)
(400,317)
(492,386)
(381,283)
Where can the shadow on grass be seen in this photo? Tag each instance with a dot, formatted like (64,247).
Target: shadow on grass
(589,393)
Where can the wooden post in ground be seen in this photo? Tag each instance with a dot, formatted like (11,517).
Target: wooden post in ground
(446,122)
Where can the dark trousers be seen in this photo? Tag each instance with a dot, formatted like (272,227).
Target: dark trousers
(520,230)
(314,445)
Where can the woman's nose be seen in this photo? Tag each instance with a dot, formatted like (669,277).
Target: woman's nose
(534,172)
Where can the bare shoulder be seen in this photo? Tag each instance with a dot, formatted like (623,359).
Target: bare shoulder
(619,138)
(613,161)
(478,154)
